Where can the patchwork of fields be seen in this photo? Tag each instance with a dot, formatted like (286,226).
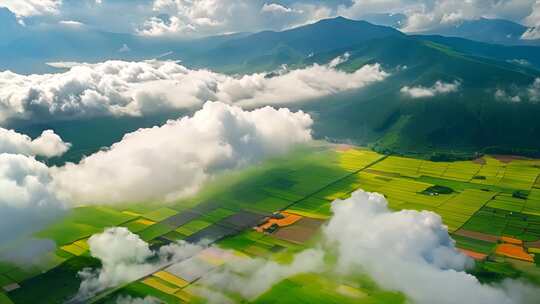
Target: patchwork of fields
(491,207)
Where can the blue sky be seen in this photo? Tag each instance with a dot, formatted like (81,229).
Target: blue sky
(187,18)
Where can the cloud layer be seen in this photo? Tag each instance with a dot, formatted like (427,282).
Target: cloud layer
(26,8)
(404,250)
(28,199)
(174,160)
(439,88)
(184,18)
(137,88)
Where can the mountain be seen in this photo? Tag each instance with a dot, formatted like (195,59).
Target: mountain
(470,120)
(265,50)
(497,31)
(526,56)
(394,20)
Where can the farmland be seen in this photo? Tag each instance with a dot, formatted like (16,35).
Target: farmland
(491,207)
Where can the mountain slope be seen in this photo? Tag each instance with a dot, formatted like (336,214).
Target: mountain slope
(471,119)
(264,50)
(485,30)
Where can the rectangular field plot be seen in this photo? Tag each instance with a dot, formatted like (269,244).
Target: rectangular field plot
(355,159)
(314,206)
(138,225)
(491,172)
(160,285)
(507,202)
(436,169)
(371,182)
(520,175)
(192,227)
(83,222)
(399,165)
(154,231)
(160,214)
(461,171)
(473,244)
(456,211)
(407,193)
(500,222)
(532,205)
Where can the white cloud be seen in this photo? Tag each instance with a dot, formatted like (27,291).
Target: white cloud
(26,8)
(48,144)
(532,33)
(137,88)
(534,91)
(530,93)
(275,8)
(28,199)
(125,258)
(404,250)
(212,17)
(439,88)
(131,300)
(429,14)
(502,95)
(251,278)
(297,85)
(71,23)
(174,160)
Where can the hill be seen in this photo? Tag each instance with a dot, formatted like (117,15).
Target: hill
(467,121)
(486,30)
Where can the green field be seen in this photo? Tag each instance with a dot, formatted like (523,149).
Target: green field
(477,200)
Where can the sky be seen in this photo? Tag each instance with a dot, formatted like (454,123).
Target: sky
(194,18)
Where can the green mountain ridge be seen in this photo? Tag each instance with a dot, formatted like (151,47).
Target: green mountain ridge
(468,121)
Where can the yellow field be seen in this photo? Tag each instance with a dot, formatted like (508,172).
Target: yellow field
(159,285)
(165,276)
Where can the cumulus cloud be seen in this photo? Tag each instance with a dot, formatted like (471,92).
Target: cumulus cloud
(48,144)
(71,23)
(439,88)
(137,88)
(26,8)
(210,17)
(275,8)
(534,91)
(251,278)
(125,257)
(174,160)
(429,14)
(404,250)
(533,20)
(530,93)
(502,95)
(28,199)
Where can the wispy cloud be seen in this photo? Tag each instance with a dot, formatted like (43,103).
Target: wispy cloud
(439,88)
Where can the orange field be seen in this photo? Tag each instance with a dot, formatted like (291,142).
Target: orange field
(514,251)
(288,220)
(473,254)
(510,240)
